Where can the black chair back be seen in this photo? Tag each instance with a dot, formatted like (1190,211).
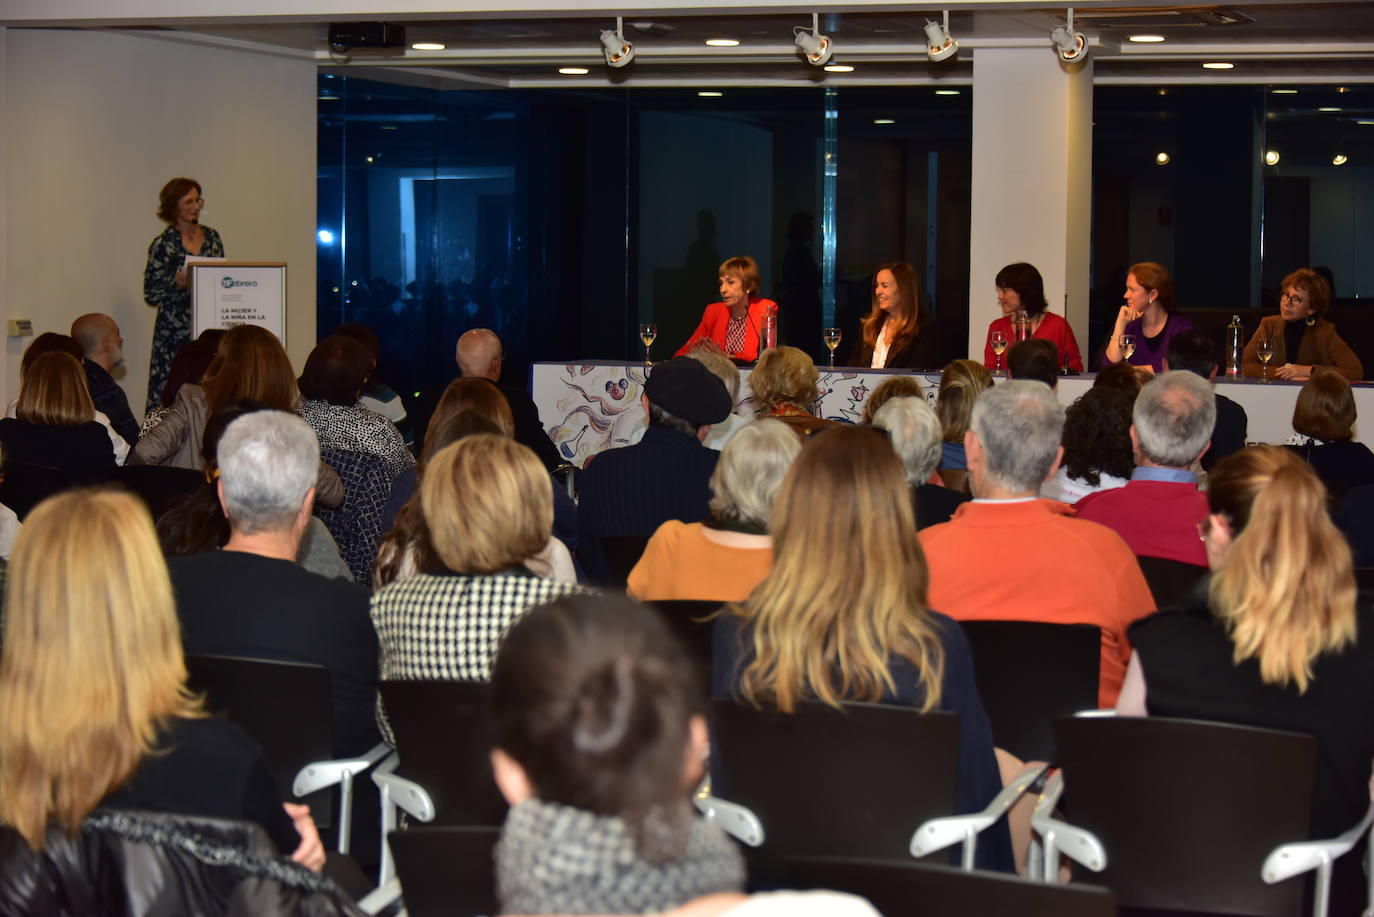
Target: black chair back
(1187,811)
(896,888)
(622,553)
(1171,581)
(691,621)
(443,738)
(1028,673)
(854,781)
(446,871)
(160,487)
(26,485)
(285,706)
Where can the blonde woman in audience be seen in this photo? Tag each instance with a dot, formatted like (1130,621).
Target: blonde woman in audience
(960,385)
(725,557)
(487,509)
(785,385)
(599,731)
(842,616)
(94,709)
(55,421)
(1278,639)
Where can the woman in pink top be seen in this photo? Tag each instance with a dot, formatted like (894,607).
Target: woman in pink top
(725,557)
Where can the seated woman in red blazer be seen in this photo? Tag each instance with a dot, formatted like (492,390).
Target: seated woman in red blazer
(735,324)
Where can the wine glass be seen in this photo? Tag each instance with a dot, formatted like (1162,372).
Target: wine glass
(1264,349)
(999,346)
(1127,346)
(647,333)
(831,336)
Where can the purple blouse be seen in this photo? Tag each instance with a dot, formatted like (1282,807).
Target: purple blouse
(1154,356)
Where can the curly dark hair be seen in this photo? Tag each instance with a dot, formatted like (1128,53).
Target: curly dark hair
(1097,435)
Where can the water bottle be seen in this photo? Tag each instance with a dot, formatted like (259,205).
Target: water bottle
(1235,335)
(770,328)
(1021,326)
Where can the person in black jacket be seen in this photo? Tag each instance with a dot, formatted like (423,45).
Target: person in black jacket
(897,330)
(103,350)
(479,353)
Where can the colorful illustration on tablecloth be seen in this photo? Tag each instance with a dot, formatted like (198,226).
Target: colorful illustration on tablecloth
(599,410)
(853,410)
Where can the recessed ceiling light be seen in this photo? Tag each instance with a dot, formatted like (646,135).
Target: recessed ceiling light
(1364,122)
(946,92)
(1147,39)
(1271,158)
(838,68)
(1161,158)
(1342,88)
(710,94)
(1329,108)
(1217,65)
(723,42)
(883,121)
(1339,159)
(428,46)
(329,98)
(389,127)
(573,71)
(1284,92)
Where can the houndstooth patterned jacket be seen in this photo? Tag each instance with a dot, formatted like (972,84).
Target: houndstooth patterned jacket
(447,626)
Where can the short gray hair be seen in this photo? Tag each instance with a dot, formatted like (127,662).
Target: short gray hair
(750,472)
(723,367)
(915,433)
(1174,416)
(1018,424)
(268,461)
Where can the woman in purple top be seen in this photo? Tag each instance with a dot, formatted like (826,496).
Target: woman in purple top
(1150,317)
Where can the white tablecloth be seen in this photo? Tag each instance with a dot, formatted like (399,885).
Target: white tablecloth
(588,407)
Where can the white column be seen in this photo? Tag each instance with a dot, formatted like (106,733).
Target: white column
(1032,181)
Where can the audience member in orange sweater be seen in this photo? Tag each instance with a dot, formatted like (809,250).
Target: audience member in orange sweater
(724,558)
(1011,556)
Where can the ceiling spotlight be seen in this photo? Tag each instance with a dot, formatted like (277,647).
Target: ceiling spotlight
(428,46)
(723,42)
(1161,158)
(814,46)
(946,92)
(573,71)
(939,45)
(1071,45)
(1339,159)
(1217,65)
(1271,158)
(710,94)
(619,52)
(1147,39)
(884,121)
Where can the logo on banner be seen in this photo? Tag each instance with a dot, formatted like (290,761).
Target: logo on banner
(229,283)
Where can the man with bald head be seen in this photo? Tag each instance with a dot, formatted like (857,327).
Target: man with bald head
(100,340)
(479,354)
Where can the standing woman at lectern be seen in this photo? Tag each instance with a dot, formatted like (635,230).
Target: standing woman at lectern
(165,279)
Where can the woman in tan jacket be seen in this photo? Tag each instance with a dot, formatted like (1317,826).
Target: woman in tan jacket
(1302,338)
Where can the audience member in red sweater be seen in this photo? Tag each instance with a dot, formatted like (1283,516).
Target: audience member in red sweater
(1011,556)
(1157,512)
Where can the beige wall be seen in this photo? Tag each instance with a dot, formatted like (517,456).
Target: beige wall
(94,125)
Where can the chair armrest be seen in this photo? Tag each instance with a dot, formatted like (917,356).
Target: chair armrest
(1078,844)
(381,897)
(939,833)
(1288,860)
(319,774)
(407,794)
(733,818)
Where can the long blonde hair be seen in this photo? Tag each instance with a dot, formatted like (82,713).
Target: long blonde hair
(1286,585)
(92,664)
(847,591)
(53,392)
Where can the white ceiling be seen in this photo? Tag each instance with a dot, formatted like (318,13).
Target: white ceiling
(522,43)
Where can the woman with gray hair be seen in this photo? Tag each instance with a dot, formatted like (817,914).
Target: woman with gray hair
(914,430)
(725,557)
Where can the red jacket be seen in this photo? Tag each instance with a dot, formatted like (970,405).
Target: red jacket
(717,317)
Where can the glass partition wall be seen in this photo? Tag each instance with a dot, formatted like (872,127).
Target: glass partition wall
(563,218)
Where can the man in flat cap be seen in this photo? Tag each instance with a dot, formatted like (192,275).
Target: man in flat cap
(633,490)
